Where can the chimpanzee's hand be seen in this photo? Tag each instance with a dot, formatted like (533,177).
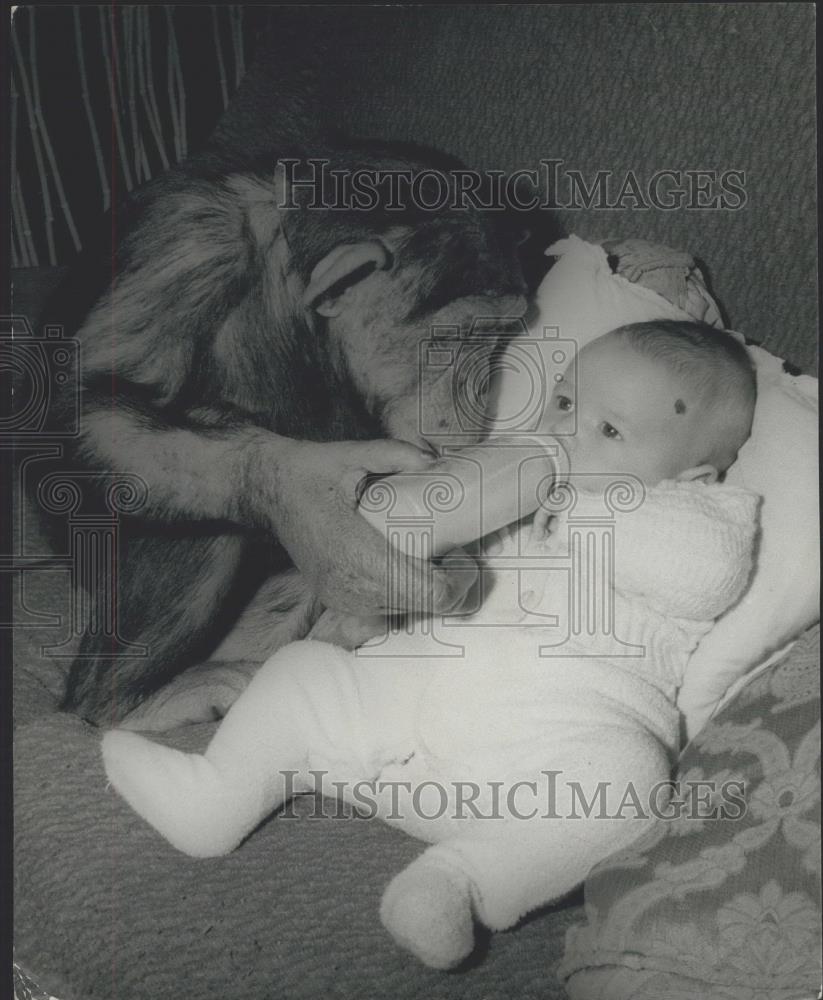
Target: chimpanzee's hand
(347,631)
(347,562)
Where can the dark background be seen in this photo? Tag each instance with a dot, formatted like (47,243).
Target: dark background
(46,57)
(616,87)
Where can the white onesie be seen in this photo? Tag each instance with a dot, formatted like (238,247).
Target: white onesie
(524,760)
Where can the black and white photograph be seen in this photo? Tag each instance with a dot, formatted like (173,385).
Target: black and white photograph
(411,455)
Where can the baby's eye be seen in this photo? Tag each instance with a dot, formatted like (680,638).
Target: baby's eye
(610,432)
(565,404)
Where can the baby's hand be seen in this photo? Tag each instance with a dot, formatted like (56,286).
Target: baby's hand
(541,526)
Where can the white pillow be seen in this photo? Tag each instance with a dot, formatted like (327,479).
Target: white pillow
(579,300)
(780,462)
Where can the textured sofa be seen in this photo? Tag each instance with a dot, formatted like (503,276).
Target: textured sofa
(104,908)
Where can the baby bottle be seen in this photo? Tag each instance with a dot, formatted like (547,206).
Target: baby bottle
(466,494)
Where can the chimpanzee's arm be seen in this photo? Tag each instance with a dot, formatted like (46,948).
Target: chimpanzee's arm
(185,265)
(192,471)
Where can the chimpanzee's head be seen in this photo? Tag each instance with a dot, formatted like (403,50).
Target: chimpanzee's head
(415,292)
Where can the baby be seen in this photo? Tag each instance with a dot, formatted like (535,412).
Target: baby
(522,770)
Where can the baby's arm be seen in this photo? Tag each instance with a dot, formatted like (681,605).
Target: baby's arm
(310,706)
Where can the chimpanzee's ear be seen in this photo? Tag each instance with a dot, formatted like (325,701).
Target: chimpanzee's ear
(340,269)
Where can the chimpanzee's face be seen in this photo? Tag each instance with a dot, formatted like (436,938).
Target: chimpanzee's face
(426,380)
(419,338)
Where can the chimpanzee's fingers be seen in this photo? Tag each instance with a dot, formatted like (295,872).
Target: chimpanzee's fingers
(428,587)
(395,456)
(349,571)
(456,574)
(346,630)
(379,579)
(384,464)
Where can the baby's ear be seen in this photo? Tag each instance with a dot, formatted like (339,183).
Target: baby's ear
(706,473)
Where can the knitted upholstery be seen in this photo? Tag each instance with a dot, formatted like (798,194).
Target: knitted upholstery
(602,87)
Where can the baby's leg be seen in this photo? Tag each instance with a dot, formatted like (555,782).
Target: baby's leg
(309,704)
(501,869)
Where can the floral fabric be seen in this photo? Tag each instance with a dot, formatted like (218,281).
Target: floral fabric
(722,900)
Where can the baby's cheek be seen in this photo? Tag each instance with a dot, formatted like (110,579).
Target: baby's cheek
(592,459)
(586,457)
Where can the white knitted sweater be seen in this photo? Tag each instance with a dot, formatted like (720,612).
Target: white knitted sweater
(680,558)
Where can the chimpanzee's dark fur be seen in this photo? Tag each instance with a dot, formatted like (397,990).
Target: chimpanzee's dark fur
(202,346)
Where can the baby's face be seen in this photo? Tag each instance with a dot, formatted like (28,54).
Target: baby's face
(626,414)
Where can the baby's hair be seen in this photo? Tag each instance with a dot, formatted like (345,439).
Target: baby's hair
(714,363)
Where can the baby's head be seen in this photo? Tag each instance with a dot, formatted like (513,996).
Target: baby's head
(659,400)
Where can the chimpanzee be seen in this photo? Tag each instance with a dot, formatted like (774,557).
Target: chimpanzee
(255,355)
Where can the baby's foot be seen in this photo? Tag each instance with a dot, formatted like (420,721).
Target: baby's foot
(427,910)
(182,795)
